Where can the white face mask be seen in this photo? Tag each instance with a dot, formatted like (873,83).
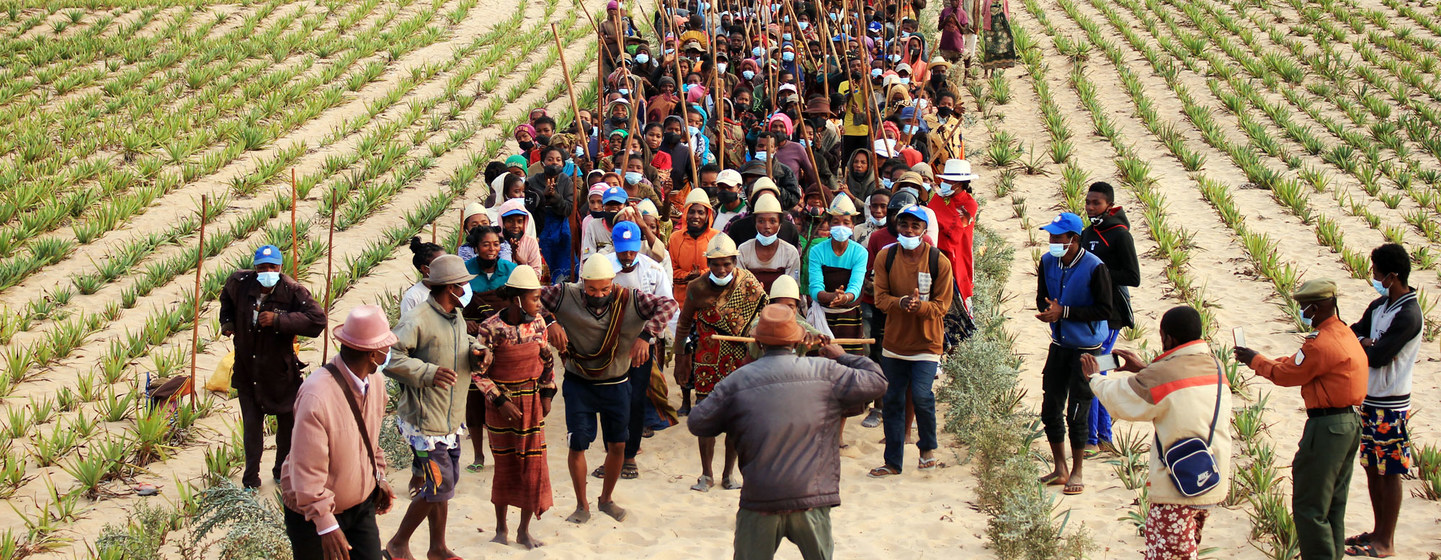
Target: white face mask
(466,294)
(268,279)
(767,240)
(878,222)
(840,233)
(722,281)
(908,243)
(721,66)
(1058,250)
(382,366)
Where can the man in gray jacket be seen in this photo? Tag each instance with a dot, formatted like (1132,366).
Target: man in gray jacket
(784,412)
(432,360)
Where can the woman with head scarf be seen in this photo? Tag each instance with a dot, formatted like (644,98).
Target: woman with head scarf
(792,154)
(860,174)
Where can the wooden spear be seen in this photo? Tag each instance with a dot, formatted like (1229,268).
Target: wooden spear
(195,317)
(294,237)
(329,263)
(570,87)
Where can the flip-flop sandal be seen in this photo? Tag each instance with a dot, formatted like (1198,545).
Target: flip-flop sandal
(1073,489)
(1092,453)
(1050,479)
(883,472)
(629,472)
(1358,540)
(928,464)
(475,467)
(599,472)
(1366,550)
(146,489)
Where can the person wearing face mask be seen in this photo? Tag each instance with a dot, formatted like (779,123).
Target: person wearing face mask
(913,288)
(596,236)
(432,360)
(554,198)
(835,272)
(955,210)
(946,139)
(606,331)
(334,485)
(525,138)
(722,302)
(1390,331)
(520,245)
(491,273)
(744,226)
(264,310)
(1073,295)
(792,154)
(516,378)
(935,82)
(730,202)
(1331,368)
(1108,236)
(765,254)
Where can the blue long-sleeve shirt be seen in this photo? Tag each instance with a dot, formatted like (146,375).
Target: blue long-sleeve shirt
(854,258)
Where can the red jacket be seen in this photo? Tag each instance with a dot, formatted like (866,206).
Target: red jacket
(957,230)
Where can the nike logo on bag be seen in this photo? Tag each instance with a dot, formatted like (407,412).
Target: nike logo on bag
(1203,477)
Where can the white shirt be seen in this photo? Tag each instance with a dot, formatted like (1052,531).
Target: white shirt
(648,276)
(414,296)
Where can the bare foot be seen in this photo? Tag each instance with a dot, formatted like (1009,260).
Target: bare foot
(501,537)
(529,542)
(402,551)
(613,510)
(580,516)
(442,554)
(730,484)
(1055,478)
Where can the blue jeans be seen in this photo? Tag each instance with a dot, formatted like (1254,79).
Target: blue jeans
(1099,423)
(916,377)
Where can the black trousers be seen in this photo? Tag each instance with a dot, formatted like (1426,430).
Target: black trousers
(253,426)
(358,524)
(639,395)
(1065,395)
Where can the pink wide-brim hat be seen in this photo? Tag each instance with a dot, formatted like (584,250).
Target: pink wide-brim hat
(366,328)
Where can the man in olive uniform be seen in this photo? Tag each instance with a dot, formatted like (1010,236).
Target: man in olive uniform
(264,311)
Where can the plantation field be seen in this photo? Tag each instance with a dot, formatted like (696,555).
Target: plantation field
(1254,145)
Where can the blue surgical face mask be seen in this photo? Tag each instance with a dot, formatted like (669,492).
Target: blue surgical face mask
(722,280)
(760,156)
(886,183)
(804,25)
(268,279)
(767,240)
(908,243)
(785,36)
(1309,322)
(875,72)
(910,129)
(840,233)
(579,151)
(381,367)
(633,177)
(748,74)
(624,92)
(905,81)
(788,56)
(1380,286)
(894,58)
(693,130)
(757,51)
(642,58)
(947,189)
(466,294)
(878,222)
(1058,250)
(669,52)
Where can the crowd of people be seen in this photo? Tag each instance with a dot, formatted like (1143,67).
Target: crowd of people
(773,202)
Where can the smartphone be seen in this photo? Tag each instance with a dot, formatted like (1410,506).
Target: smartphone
(1107,362)
(1239,337)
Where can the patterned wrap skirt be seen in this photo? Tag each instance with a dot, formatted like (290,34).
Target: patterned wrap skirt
(521,477)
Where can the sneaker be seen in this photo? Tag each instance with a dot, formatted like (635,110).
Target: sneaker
(873,419)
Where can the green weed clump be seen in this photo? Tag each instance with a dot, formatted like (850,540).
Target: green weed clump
(252,526)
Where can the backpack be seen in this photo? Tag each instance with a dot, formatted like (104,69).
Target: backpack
(956,324)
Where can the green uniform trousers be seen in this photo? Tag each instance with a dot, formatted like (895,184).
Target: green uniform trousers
(1321,475)
(759,534)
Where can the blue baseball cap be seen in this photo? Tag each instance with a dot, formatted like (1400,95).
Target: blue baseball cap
(626,237)
(1065,223)
(916,212)
(614,194)
(268,254)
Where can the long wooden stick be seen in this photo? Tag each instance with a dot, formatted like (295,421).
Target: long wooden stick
(728,338)
(329,262)
(570,87)
(684,106)
(294,237)
(871,122)
(199,271)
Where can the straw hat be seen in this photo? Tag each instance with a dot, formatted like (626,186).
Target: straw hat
(842,206)
(473,209)
(912,178)
(365,329)
(777,326)
(597,267)
(447,270)
(721,246)
(523,278)
(765,184)
(785,287)
(767,204)
(939,63)
(697,196)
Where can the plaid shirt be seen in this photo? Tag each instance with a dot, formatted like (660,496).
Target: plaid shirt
(656,309)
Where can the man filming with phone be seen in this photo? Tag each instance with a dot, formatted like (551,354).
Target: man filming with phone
(1182,393)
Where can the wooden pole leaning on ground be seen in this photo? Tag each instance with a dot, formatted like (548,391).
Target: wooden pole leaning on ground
(294,238)
(728,338)
(329,262)
(199,272)
(570,87)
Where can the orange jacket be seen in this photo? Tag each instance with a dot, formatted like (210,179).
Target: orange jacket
(1330,368)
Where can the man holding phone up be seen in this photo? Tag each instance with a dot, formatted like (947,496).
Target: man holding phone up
(1073,294)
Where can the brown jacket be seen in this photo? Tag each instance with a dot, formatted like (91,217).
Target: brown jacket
(922,332)
(266,368)
(327,471)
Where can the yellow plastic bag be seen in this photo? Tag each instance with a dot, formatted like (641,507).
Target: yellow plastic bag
(220,380)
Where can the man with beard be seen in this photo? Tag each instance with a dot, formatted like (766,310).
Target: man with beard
(594,320)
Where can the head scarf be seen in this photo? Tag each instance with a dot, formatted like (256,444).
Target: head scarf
(526,128)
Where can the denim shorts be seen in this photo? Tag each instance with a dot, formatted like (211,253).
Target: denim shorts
(585,400)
